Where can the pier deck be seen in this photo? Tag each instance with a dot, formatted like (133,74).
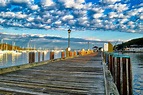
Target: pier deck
(76,76)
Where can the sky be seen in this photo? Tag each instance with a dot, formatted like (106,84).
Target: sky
(90,20)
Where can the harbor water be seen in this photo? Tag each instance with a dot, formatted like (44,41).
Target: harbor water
(137,72)
(12,59)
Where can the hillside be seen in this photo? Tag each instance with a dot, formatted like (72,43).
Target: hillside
(138,42)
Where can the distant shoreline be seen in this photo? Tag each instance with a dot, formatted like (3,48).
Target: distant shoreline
(132,51)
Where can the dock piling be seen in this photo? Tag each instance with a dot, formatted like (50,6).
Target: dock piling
(63,55)
(43,56)
(31,57)
(39,56)
(51,55)
(118,83)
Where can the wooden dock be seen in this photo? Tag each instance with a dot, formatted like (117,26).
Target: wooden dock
(75,76)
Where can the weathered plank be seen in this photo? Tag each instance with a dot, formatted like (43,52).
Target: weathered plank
(79,76)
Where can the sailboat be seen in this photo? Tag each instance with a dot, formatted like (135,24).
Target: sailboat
(15,51)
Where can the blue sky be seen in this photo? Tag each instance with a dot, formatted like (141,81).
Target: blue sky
(96,20)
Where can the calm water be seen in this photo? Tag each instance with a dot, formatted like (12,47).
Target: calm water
(137,70)
(8,60)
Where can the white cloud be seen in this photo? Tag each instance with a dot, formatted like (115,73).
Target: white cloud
(58,22)
(123,21)
(77,4)
(98,9)
(109,1)
(18,15)
(34,7)
(22,1)
(67,17)
(47,27)
(80,12)
(80,1)
(130,23)
(141,17)
(72,22)
(93,39)
(48,21)
(68,3)
(113,15)
(3,3)
(97,15)
(2,20)
(119,7)
(30,19)
(47,3)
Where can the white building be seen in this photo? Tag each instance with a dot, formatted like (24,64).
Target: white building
(105,47)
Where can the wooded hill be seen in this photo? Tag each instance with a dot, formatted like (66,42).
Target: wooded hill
(134,42)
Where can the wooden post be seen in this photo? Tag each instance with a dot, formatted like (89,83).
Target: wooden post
(130,76)
(42,56)
(79,52)
(124,76)
(63,55)
(110,64)
(113,69)
(105,57)
(118,75)
(39,56)
(51,55)
(33,56)
(70,54)
(75,53)
(30,59)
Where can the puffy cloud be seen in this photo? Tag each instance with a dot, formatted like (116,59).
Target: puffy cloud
(58,22)
(97,15)
(3,3)
(67,17)
(30,19)
(113,15)
(109,1)
(34,7)
(119,7)
(77,4)
(21,1)
(47,2)
(141,17)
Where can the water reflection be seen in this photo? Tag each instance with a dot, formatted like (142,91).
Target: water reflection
(137,68)
(13,59)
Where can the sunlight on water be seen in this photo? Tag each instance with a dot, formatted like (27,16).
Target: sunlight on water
(137,69)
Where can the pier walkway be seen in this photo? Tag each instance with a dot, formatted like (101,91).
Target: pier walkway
(81,75)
